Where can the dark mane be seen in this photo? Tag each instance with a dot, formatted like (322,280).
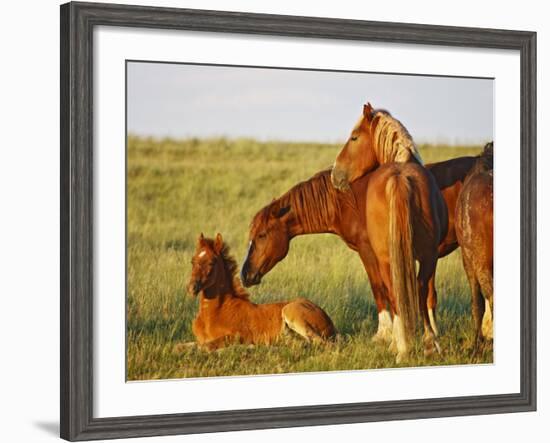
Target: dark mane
(314,202)
(485,159)
(484,162)
(231,268)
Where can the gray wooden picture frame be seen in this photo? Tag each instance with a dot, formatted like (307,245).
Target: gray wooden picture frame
(77,24)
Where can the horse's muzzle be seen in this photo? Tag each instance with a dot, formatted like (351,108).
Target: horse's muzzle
(339,179)
(250,280)
(194,288)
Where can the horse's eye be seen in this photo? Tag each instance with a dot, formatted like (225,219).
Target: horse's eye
(354,138)
(262,235)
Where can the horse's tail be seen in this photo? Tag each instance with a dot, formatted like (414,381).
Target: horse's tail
(399,192)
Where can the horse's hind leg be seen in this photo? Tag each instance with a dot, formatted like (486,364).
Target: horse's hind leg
(425,274)
(487,321)
(486,283)
(432,302)
(308,320)
(400,343)
(478,303)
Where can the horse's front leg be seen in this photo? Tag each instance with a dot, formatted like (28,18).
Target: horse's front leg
(220,342)
(182,347)
(385,324)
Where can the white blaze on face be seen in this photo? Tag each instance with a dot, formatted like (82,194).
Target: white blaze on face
(202,253)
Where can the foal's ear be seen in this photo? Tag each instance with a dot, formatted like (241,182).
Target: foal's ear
(367,111)
(200,240)
(218,243)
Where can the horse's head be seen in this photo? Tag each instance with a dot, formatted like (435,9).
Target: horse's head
(207,264)
(268,242)
(358,156)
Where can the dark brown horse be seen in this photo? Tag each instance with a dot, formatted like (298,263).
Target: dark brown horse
(406,216)
(474,229)
(227,315)
(450,176)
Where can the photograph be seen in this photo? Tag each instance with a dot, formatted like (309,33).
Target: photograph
(284,220)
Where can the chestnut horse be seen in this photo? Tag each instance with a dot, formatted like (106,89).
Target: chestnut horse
(227,315)
(406,216)
(474,230)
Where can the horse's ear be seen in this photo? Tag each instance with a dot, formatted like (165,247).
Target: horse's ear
(200,240)
(367,111)
(218,243)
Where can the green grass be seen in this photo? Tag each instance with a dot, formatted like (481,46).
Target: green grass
(179,188)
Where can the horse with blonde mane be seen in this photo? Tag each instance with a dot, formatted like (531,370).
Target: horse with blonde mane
(406,217)
(226,315)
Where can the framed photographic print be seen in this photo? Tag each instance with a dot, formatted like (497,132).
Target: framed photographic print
(273,221)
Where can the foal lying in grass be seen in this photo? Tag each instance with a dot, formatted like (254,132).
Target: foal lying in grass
(227,315)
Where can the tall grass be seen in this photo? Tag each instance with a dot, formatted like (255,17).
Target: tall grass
(180,188)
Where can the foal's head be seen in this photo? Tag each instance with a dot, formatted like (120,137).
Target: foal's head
(208,267)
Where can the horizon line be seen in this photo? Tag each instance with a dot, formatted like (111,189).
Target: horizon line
(213,137)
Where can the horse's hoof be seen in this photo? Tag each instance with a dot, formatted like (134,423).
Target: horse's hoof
(487,329)
(401,357)
(392,347)
(476,352)
(381,338)
(431,347)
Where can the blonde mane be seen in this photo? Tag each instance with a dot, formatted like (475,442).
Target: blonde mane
(392,141)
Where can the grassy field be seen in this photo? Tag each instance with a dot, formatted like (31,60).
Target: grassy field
(177,189)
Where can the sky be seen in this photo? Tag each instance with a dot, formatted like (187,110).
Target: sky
(179,100)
